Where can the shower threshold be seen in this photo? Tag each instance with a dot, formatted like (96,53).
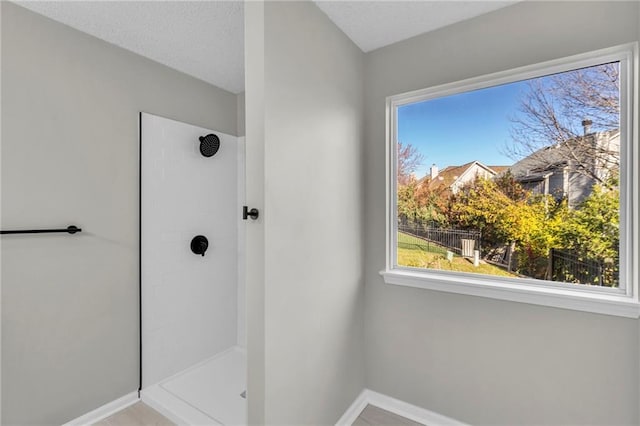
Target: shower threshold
(209,393)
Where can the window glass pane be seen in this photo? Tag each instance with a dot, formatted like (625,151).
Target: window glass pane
(518,180)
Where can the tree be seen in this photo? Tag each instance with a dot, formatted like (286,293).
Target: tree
(593,229)
(409,158)
(408,208)
(555,110)
(592,233)
(535,223)
(513,217)
(510,187)
(417,203)
(434,203)
(480,205)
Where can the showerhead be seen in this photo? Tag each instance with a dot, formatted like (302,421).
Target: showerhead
(209,145)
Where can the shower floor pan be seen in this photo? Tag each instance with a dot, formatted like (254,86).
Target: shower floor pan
(208,393)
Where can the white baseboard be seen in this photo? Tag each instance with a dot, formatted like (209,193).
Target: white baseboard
(401,408)
(354,409)
(105,411)
(396,406)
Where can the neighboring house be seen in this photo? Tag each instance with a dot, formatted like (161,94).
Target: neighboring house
(570,169)
(452,178)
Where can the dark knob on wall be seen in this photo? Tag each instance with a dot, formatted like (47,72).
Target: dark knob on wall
(253,213)
(199,244)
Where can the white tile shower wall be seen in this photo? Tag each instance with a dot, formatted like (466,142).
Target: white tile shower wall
(189,302)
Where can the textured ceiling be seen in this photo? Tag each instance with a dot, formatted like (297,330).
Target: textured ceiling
(205,39)
(374,24)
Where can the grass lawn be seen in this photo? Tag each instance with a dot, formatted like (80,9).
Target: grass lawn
(409,242)
(417,253)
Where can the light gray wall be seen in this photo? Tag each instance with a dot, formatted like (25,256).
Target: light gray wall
(70,108)
(255,195)
(479,360)
(241,114)
(636,130)
(313,93)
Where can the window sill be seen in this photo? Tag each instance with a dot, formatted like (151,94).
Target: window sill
(599,303)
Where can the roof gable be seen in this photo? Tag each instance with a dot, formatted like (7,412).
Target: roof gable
(453,177)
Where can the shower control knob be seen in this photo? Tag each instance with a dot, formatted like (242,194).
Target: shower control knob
(199,244)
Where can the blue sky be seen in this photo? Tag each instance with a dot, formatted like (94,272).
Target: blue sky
(456,129)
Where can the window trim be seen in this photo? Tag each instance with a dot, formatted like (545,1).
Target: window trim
(622,301)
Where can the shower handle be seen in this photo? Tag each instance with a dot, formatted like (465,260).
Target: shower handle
(253,213)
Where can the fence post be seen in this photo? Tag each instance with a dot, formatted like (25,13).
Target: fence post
(551,263)
(509,256)
(600,273)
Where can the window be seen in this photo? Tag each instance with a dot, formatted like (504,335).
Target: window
(521,185)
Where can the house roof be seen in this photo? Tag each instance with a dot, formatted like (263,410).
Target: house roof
(499,169)
(449,175)
(538,164)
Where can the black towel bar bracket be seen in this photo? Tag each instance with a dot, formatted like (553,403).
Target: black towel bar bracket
(69,229)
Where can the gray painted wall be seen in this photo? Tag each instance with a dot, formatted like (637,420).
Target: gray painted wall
(479,360)
(70,106)
(241,114)
(255,196)
(313,94)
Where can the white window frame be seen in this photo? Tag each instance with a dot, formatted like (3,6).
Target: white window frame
(622,301)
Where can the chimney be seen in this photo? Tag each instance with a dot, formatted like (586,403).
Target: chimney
(434,171)
(586,126)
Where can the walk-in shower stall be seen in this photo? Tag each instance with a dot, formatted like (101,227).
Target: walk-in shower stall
(191,285)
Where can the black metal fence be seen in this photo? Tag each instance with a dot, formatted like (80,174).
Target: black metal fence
(568,267)
(450,238)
